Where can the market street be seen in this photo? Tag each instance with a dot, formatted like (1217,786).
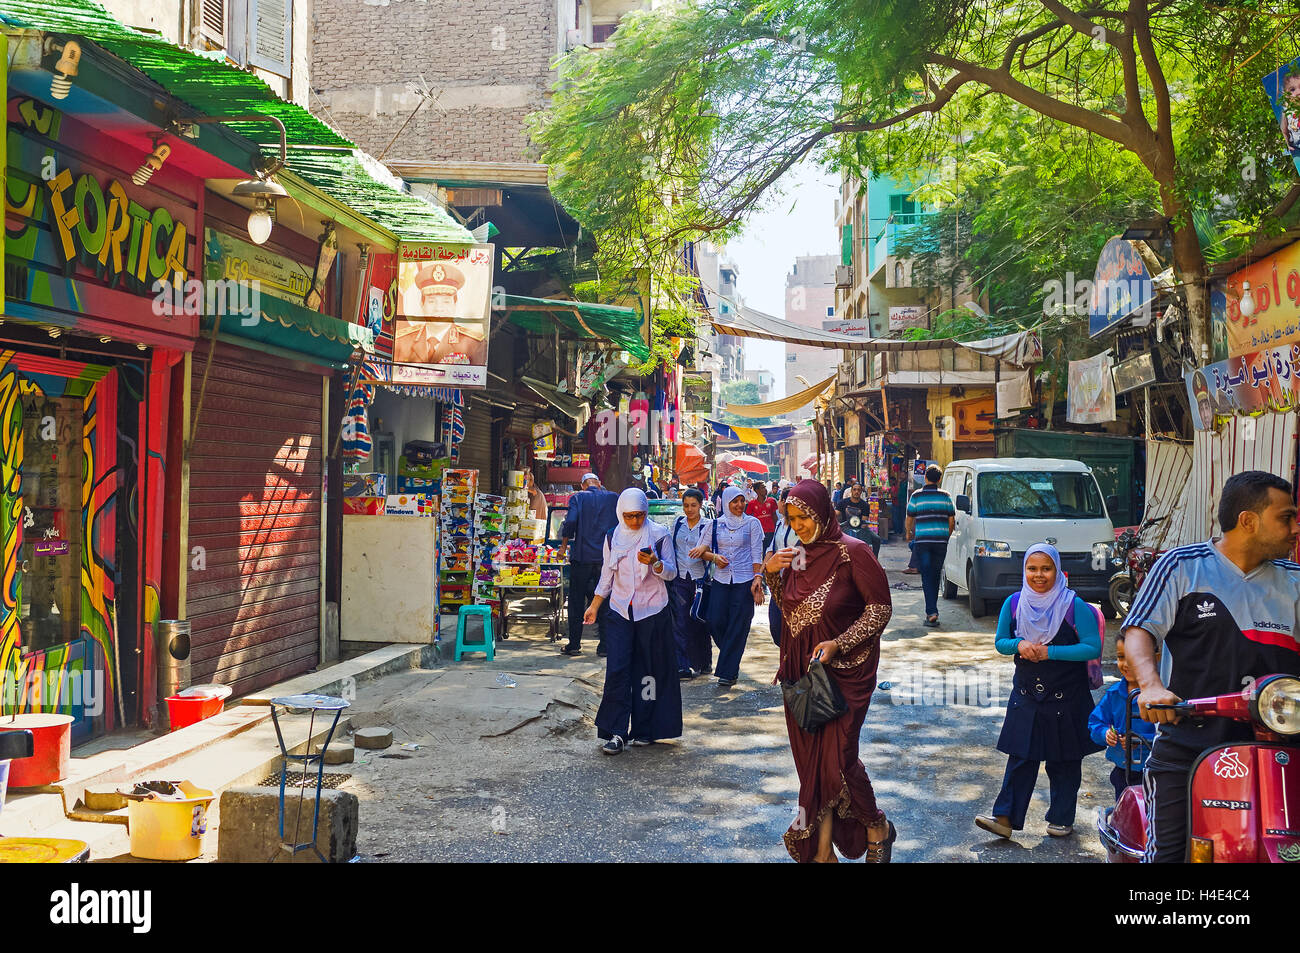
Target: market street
(727,790)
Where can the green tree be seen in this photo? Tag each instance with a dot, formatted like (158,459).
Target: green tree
(687,124)
(742,392)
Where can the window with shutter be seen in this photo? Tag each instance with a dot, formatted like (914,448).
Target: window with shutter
(212,22)
(270,35)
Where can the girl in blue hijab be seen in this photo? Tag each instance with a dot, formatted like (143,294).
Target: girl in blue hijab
(1053,634)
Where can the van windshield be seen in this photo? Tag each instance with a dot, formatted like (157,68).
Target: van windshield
(1039,494)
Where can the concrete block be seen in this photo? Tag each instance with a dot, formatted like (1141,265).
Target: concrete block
(103,797)
(249,833)
(374,738)
(339,752)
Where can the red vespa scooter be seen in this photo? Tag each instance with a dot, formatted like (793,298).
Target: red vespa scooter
(1243,797)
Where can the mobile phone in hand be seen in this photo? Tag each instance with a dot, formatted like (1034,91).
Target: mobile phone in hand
(647,550)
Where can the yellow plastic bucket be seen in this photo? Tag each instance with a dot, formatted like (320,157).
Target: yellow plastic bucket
(169,829)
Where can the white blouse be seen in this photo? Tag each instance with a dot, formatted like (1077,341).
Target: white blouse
(633,590)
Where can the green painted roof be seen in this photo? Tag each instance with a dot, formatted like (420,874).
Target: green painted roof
(361,183)
(216,88)
(608,321)
(210,85)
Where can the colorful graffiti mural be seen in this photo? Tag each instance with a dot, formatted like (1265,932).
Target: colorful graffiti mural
(81,676)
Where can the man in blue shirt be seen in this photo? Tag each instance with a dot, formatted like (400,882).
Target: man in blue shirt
(592,514)
(931,518)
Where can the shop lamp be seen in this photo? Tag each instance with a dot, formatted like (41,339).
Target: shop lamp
(153,162)
(65,69)
(264,194)
(1247,301)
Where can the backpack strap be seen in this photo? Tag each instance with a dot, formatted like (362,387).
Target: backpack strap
(676,526)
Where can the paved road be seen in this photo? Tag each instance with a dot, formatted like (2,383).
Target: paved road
(727,790)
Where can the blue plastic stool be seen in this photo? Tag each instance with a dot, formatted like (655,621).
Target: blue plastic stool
(488,644)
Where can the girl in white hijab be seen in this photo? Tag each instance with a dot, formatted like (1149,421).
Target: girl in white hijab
(642,699)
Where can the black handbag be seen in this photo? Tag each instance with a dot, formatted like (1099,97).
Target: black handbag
(815,699)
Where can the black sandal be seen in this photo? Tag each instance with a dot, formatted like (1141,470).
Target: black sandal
(881,852)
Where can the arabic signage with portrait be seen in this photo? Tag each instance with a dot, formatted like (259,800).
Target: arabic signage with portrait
(1263,303)
(444,296)
(1247,384)
(1121,285)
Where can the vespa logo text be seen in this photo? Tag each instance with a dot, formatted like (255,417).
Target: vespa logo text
(1226,805)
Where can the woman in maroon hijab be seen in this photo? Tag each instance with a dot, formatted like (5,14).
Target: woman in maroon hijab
(835,603)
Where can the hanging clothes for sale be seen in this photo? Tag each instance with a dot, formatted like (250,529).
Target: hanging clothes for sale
(357,444)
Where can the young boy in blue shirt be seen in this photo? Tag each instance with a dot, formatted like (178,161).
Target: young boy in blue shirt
(1106,725)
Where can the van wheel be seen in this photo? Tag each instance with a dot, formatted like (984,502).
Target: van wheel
(949,589)
(979,607)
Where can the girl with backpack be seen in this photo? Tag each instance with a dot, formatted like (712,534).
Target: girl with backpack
(1053,634)
(641,689)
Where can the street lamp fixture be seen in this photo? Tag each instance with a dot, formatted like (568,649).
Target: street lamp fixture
(263,190)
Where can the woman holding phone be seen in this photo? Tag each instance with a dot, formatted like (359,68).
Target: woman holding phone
(835,604)
(737,586)
(641,689)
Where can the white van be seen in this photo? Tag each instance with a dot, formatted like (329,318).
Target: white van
(1004,506)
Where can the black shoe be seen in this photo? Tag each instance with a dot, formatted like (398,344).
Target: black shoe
(571,650)
(685,673)
(613,746)
(600,650)
(726,682)
(707,670)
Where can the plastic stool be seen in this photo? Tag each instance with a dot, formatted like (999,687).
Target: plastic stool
(488,644)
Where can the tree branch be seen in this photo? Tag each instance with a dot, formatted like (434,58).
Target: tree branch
(1285,205)
(1141,21)
(1081,24)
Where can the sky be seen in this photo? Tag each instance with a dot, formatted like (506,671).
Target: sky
(801,221)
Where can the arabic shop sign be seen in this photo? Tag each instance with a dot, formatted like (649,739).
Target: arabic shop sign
(1120,286)
(1247,384)
(1263,303)
(230,258)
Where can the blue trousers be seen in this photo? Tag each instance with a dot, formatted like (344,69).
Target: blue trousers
(642,696)
(929,559)
(690,635)
(1018,789)
(731,612)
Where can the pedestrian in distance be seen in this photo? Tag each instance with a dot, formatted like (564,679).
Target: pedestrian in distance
(1106,725)
(642,699)
(737,586)
(835,603)
(931,520)
(763,508)
(691,636)
(592,514)
(838,494)
(853,512)
(1052,633)
(782,538)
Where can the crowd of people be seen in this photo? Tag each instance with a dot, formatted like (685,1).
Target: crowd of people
(663,596)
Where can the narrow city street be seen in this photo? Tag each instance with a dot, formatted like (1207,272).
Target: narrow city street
(727,790)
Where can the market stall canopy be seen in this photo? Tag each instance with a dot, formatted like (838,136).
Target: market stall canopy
(579,410)
(602,321)
(745,322)
(754,435)
(775,408)
(283,326)
(690,463)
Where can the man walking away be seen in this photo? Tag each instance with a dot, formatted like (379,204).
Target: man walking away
(931,518)
(592,514)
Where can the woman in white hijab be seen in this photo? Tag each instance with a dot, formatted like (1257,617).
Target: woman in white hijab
(642,699)
(1053,634)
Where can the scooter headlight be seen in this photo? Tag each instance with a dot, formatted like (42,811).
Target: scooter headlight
(1277,704)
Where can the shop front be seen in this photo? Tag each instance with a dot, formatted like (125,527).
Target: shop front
(85,379)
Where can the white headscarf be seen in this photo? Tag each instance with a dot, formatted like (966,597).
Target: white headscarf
(1039,614)
(733,522)
(626,541)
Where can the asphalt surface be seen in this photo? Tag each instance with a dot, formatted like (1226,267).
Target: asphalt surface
(725,791)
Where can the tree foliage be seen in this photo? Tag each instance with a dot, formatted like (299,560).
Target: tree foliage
(742,392)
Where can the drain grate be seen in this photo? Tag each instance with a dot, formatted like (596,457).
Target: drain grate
(296,780)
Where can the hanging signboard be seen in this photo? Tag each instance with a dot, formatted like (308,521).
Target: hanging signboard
(280,277)
(1267,380)
(378,310)
(1136,372)
(974,419)
(697,392)
(910,316)
(1263,303)
(1120,286)
(858,327)
(444,296)
(1283,88)
(1091,396)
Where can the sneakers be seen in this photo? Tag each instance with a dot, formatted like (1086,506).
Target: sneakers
(1060,830)
(994,825)
(640,743)
(613,746)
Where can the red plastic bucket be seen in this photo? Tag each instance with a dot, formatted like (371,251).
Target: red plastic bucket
(52,738)
(190,710)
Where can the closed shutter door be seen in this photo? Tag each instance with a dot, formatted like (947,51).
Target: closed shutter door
(476,450)
(253,590)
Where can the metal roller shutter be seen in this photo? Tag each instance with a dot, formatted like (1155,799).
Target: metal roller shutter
(255,507)
(476,450)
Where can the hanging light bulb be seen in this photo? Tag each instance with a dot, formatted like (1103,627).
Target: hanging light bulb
(259,222)
(1247,302)
(263,192)
(65,69)
(152,163)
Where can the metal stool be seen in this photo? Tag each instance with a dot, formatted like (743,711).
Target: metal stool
(298,704)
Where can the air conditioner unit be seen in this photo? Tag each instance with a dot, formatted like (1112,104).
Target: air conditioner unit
(572,39)
(844,375)
(843,276)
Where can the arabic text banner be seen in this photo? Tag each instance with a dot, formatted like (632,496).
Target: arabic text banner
(1272,286)
(1248,384)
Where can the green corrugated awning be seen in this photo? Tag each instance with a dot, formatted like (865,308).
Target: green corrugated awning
(292,327)
(610,322)
(358,182)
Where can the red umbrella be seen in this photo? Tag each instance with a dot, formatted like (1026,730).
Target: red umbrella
(810,463)
(754,465)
